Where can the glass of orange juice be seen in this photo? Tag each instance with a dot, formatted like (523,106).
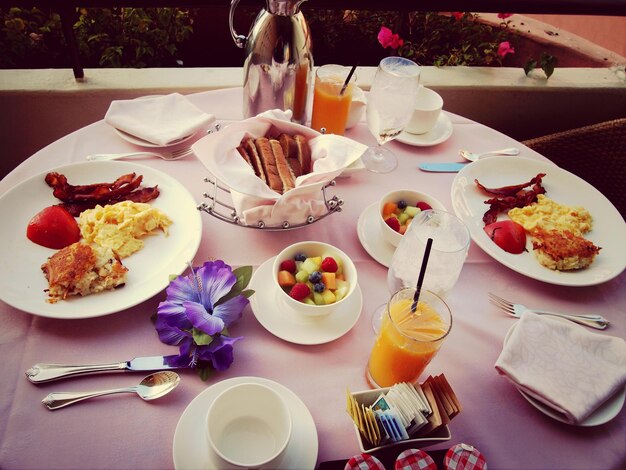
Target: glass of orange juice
(409,337)
(330,105)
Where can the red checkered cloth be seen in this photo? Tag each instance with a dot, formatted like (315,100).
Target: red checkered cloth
(364,462)
(464,457)
(414,459)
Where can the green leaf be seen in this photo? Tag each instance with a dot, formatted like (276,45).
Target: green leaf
(243,274)
(529,66)
(201,338)
(548,63)
(247,293)
(204,372)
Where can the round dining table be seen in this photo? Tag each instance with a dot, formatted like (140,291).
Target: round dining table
(124,432)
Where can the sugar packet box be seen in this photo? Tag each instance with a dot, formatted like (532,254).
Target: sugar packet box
(369,397)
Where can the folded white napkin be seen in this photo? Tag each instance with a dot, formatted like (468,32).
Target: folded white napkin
(252,198)
(161,120)
(563,365)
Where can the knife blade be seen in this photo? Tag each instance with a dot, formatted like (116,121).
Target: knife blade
(42,372)
(451,167)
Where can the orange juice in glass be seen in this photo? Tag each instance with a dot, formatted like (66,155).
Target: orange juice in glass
(330,106)
(408,338)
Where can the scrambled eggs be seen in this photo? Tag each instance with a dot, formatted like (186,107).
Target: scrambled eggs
(120,226)
(549,215)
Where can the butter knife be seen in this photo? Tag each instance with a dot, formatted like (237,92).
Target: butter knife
(41,372)
(451,167)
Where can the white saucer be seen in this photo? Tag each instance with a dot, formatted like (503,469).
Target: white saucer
(371,237)
(191,449)
(133,139)
(279,319)
(438,134)
(605,413)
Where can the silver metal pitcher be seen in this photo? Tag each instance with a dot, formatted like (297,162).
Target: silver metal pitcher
(278,67)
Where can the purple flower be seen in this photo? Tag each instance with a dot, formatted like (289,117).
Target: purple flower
(195,317)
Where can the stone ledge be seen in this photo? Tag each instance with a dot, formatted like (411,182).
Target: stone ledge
(40,106)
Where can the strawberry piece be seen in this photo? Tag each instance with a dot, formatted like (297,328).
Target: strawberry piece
(300,291)
(394,223)
(423,205)
(288,265)
(329,265)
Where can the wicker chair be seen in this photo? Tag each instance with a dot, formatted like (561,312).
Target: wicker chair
(596,153)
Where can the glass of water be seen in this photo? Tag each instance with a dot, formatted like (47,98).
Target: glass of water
(451,240)
(390,104)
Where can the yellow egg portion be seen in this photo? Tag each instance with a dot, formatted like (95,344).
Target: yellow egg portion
(120,226)
(549,215)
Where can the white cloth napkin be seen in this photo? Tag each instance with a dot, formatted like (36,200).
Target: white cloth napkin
(563,365)
(252,198)
(161,120)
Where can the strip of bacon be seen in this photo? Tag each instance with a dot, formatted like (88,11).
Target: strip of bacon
(99,192)
(510,190)
(139,195)
(509,197)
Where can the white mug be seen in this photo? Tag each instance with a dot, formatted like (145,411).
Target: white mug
(426,112)
(249,426)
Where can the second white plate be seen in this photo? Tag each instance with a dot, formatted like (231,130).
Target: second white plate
(609,229)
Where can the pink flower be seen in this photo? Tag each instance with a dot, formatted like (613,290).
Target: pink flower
(386,38)
(504,16)
(505,48)
(457,14)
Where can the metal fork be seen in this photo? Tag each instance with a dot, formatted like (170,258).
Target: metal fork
(516,310)
(174,155)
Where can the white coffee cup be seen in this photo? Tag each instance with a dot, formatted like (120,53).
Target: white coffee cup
(249,425)
(426,112)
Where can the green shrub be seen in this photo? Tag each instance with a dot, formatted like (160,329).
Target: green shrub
(106,37)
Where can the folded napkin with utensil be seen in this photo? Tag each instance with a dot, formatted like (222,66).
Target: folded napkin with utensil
(161,120)
(563,365)
(252,197)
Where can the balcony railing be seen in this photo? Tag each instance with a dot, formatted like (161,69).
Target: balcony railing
(67,9)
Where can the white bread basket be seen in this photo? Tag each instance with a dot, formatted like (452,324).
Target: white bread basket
(254,202)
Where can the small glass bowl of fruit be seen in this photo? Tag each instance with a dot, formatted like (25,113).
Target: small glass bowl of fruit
(314,277)
(398,208)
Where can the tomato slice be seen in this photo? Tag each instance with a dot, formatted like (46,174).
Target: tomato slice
(53,227)
(508,235)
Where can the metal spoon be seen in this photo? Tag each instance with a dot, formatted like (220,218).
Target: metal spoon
(152,386)
(472,157)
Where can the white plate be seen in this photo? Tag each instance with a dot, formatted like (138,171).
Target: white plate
(371,236)
(191,449)
(279,318)
(609,229)
(145,143)
(22,282)
(438,134)
(605,413)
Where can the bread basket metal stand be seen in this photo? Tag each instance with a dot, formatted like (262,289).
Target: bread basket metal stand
(225,211)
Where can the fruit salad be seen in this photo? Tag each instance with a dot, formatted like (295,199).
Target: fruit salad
(315,280)
(399,215)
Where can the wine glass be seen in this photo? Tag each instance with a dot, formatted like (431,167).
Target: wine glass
(390,105)
(451,241)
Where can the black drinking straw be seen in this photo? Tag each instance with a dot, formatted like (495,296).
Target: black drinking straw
(420,279)
(345,84)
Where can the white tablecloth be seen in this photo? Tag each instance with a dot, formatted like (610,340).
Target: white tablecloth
(122,432)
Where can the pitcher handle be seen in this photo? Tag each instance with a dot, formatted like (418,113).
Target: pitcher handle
(239,39)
